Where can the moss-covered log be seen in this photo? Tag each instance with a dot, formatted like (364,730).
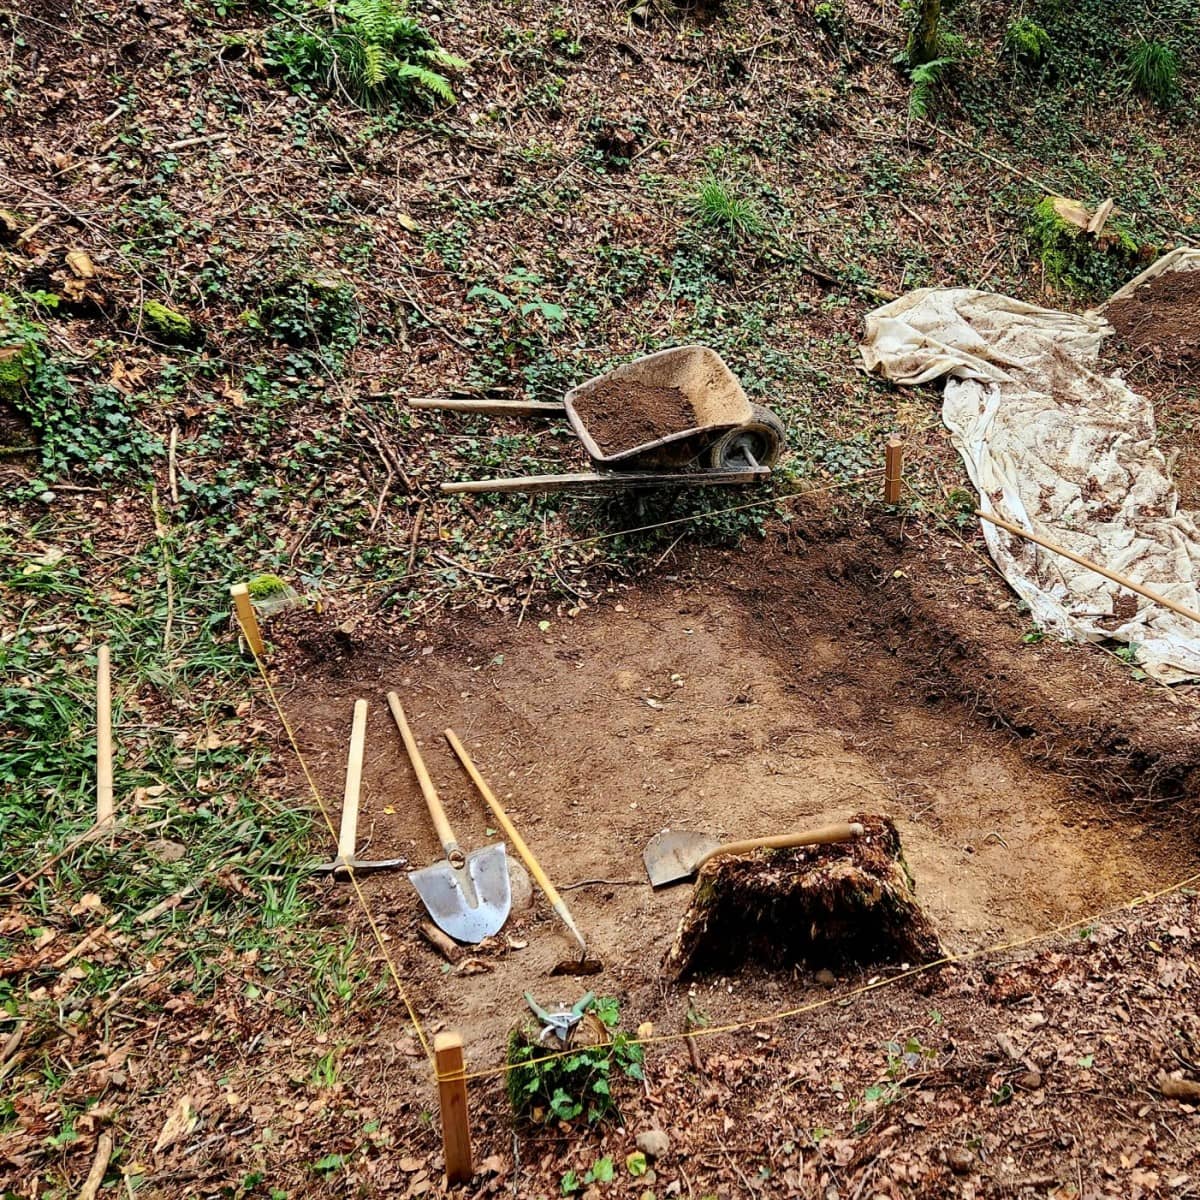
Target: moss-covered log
(850,902)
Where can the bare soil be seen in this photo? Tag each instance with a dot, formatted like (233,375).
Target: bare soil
(755,691)
(622,414)
(1161,319)
(1157,346)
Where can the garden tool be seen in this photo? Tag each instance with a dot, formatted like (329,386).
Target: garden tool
(345,862)
(467,895)
(676,854)
(559,1021)
(582,966)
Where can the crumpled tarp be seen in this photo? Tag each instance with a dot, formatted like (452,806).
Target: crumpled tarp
(1062,450)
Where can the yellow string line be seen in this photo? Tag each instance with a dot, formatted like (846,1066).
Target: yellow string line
(825,1002)
(362,899)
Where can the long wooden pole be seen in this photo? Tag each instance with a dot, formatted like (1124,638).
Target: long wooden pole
(1115,576)
(452,1098)
(104,742)
(535,868)
(494,407)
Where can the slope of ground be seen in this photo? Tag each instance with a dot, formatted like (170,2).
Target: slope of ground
(611,180)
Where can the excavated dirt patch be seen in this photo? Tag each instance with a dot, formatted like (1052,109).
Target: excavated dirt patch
(621,414)
(1162,319)
(1157,347)
(753,692)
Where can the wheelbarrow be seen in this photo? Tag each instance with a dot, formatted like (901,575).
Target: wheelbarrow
(729,441)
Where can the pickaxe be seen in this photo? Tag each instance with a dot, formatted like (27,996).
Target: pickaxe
(345,862)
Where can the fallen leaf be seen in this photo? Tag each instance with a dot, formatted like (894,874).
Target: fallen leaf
(81,264)
(183,1119)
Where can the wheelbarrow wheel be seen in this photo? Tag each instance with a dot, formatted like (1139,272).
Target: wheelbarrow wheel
(763,436)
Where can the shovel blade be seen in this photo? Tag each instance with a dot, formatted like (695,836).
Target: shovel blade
(675,854)
(469,904)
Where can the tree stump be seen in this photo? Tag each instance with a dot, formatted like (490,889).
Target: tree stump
(851,902)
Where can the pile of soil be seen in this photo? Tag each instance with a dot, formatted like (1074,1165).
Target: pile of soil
(851,902)
(622,413)
(1162,319)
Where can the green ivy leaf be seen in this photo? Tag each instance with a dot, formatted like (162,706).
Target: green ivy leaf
(635,1164)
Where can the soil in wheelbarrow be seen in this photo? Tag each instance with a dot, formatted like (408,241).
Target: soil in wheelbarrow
(622,413)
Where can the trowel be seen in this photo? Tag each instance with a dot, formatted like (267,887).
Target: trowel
(467,895)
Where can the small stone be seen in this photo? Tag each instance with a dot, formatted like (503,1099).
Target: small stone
(166,851)
(826,978)
(1030,1081)
(960,1160)
(653,1143)
(519,886)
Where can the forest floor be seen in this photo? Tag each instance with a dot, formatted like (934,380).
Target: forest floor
(181,1002)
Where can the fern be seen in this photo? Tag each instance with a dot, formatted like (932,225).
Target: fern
(925,80)
(425,79)
(375,63)
(375,20)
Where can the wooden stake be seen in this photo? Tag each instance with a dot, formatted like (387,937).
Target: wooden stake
(104,742)
(1115,576)
(893,472)
(247,618)
(452,1097)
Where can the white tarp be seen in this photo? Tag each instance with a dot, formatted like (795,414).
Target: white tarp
(1063,451)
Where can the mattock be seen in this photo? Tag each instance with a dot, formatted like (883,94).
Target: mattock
(345,862)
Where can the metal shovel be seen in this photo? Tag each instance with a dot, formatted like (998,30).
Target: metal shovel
(467,895)
(676,854)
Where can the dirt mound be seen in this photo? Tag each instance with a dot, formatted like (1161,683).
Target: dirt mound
(851,902)
(1162,319)
(621,414)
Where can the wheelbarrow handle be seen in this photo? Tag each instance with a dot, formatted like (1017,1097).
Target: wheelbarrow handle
(454,854)
(824,836)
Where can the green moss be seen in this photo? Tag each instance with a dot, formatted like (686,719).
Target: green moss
(18,363)
(261,587)
(1027,40)
(166,322)
(1076,261)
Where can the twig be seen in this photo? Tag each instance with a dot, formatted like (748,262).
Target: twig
(570,887)
(164,905)
(172,467)
(104,1151)
(412,541)
(184,143)
(12,1042)
(448,949)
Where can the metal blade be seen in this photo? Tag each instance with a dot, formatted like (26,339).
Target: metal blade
(470,904)
(674,854)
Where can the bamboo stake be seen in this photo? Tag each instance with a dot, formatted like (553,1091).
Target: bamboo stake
(1115,576)
(247,618)
(452,1099)
(104,742)
(893,471)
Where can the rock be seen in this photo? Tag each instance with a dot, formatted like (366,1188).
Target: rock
(166,851)
(17,365)
(653,1143)
(960,1160)
(168,324)
(826,978)
(519,886)
(1030,1081)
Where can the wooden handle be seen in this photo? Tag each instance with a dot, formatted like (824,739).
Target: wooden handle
(445,834)
(486,406)
(513,836)
(1123,580)
(824,836)
(609,481)
(104,742)
(348,832)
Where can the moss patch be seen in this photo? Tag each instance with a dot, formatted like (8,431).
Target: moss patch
(170,325)
(1090,265)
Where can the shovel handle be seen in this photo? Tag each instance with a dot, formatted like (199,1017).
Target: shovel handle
(450,846)
(535,869)
(824,836)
